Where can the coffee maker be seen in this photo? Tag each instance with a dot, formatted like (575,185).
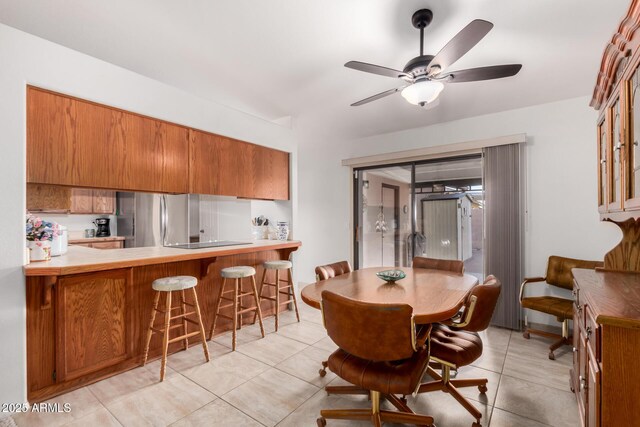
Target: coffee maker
(102,225)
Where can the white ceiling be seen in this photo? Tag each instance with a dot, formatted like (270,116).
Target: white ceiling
(279,58)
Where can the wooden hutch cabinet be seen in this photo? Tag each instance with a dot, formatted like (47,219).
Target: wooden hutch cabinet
(606,324)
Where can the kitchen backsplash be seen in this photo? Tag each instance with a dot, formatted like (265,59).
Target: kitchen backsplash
(76,224)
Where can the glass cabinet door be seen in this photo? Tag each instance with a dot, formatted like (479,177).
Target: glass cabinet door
(633,161)
(602,164)
(616,159)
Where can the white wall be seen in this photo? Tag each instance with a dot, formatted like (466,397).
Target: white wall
(562,215)
(27,59)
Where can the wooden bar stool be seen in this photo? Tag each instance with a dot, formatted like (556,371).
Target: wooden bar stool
(168,285)
(237,273)
(287,289)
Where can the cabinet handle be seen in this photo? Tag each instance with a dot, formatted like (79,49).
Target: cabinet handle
(574,350)
(603,161)
(588,331)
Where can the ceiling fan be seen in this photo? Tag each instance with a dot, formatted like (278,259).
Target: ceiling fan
(424,76)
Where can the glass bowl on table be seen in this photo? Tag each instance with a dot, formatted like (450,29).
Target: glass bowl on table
(391,276)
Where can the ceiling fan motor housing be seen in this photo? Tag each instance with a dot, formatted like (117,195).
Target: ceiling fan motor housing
(418,65)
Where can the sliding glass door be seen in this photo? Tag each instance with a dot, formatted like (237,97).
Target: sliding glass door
(383,216)
(432,209)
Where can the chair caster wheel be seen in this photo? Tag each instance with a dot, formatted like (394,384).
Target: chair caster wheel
(482,388)
(321,422)
(322,372)
(552,356)
(526,335)
(403,399)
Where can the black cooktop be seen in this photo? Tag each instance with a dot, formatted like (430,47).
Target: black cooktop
(211,244)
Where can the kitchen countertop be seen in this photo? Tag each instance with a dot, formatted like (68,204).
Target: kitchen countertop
(96,239)
(81,259)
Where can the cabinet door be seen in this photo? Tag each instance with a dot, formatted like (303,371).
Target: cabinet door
(156,155)
(50,138)
(48,198)
(603,144)
(593,391)
(107,245)
(632,199)
(79,143)
(81,201)
(270,173)
(92,322)
(220,165)
(581,375)
(615,177)
(104,201)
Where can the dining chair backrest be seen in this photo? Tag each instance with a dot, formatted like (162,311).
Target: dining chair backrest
(371,331)
(452,265)
(486,298)
(559,270)
(324,272)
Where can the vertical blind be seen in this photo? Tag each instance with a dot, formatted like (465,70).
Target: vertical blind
(502,170)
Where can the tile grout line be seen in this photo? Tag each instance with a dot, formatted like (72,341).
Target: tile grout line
(104,406)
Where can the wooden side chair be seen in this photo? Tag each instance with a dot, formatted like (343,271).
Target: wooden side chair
(324,272)
(379,353)
(452,265)
(559,275)
(456,343)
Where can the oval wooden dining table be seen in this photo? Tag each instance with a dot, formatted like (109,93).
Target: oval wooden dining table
(434,295)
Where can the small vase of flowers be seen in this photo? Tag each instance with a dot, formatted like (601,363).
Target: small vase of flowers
(39,235)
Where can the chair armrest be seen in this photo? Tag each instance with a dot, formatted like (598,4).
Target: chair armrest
(422,335)
(529,280)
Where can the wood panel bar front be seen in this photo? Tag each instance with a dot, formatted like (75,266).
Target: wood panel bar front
(65,350)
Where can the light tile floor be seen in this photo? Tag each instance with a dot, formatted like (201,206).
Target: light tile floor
(274,382)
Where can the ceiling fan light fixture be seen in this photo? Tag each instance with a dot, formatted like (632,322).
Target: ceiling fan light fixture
(422,92)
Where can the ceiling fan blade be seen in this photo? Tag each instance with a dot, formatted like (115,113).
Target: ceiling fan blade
(375,69)
(378,96)
(460,44)
(481,73)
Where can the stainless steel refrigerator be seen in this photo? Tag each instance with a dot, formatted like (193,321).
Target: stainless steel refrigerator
(148,219)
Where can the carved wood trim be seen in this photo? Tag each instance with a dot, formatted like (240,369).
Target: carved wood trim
(626,255)
(621,46)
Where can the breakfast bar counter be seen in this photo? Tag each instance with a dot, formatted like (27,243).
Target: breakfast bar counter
(88,310)
(80,259)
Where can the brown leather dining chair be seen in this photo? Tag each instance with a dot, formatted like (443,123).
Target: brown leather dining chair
(324,272)
(456,343)
(559,275)
(387,370)
(452,265)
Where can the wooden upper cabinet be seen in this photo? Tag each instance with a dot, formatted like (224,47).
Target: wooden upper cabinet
(81,201)
(79,143)
(603,162)
(270,174)
(632,120)
(616,148)
(220,165)
(228,167)
(104,202)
